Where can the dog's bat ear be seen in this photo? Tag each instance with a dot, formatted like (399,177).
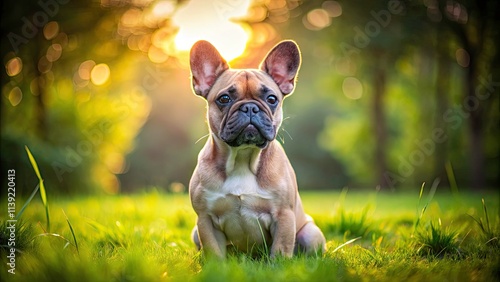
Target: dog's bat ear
(282,63)
(206,65)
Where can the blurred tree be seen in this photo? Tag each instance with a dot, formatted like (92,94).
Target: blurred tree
(461,33)
(70,91)
(396,54)
(367,42)
(475,25)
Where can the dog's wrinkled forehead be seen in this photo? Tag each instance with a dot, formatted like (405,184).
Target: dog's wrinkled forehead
(244,84)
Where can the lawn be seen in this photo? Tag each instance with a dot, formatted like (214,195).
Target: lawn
(145,237)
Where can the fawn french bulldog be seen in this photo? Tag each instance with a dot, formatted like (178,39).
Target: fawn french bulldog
(244,189)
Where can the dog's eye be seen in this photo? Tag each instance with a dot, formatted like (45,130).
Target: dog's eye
(224,99)
(271,99)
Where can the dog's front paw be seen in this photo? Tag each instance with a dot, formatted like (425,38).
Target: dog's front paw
(282,251)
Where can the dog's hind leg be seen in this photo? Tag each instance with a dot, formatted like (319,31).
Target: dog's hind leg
(310,240)
(195,238)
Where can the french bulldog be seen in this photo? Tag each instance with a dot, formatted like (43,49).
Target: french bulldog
(244,189)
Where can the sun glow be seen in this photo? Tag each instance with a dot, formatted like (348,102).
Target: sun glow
(213,21)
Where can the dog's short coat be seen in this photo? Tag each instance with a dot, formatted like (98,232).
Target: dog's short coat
(244,189)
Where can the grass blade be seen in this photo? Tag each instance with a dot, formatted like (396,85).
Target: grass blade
(479,223)
(263,237)
(433,190)
(419,217)
(72,232)
(451,178)
(421,192)
(33,163)
(486,216)
(43,194)
(346,243)
(28,201)
(54,235)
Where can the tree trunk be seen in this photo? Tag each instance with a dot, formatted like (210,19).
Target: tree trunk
(473,106)
(442,105)
(379,123)
(479,13)
(40,109)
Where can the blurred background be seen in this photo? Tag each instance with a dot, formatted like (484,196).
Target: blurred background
(390,94)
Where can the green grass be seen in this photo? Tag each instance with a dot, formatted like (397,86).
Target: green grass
(145,237)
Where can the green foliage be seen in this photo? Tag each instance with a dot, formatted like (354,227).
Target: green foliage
(72,232)
(490,231)
(354,224)
(348,138)
(28,201)
(437,241)
(84,129)
(49,156)
(424,90)
(433,240)
(24,234)
(432,192)
(349,223)
(43,194)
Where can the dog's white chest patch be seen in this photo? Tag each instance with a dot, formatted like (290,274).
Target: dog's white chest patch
(242,210)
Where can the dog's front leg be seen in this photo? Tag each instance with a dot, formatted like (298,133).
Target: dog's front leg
(213,241)
(283,232)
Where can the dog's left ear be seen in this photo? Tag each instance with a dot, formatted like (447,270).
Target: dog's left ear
(282,64)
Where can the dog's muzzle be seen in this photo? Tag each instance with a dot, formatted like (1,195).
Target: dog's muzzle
(248,125)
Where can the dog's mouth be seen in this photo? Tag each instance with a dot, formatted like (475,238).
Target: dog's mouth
(250,135)
(244,128)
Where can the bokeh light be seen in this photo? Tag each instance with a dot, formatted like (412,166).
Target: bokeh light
(51,30)
(262,33)
(54,52)
(352,88)
(34,86)
(279,10)
(463,58)
(14,66)
(456,12)
(85,69)
(15,96)
(317,19)
(163,8)
(115,162)
(156,55)
(44,65)
(131,18)
(100,74)
(333,8)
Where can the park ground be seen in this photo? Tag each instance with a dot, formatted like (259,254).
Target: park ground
(371,236)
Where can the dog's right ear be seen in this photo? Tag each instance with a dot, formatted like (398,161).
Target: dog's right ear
(206,65)
(282,63)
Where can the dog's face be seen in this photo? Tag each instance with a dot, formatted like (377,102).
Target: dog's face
(244,106)
(245,111)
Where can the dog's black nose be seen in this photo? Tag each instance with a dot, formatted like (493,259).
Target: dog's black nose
(249,107)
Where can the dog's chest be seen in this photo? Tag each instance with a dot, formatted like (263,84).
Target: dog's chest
(240,208)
